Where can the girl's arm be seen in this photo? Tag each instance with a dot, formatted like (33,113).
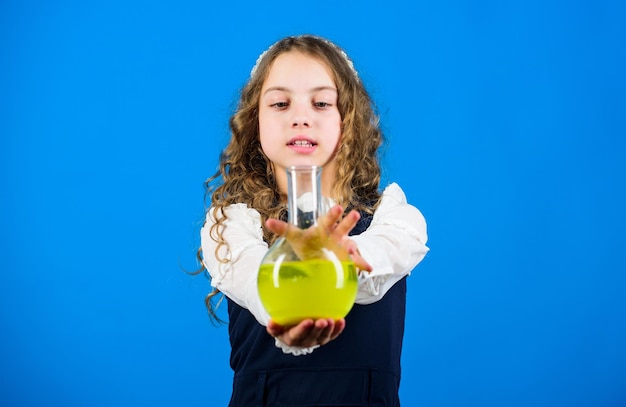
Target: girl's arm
(393,245)
(234,267)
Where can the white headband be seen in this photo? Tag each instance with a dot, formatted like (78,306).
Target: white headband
(342,52)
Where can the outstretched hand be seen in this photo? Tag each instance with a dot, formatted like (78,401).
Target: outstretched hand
(330,228)
(307,333)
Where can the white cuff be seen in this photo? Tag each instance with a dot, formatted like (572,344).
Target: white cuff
(294,350)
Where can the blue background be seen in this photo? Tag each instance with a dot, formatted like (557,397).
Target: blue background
(506,124)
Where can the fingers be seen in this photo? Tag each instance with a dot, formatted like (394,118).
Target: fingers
(347,223)
(338,328)
(307,242)
(308,332)
(330,219)
(354,253)
(331,222)
(277,226)
(340,233)
(361,264)
(274,329)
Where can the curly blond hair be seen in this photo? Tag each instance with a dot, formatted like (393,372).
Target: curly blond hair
(245,174)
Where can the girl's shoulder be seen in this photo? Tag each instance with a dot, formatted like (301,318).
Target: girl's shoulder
(393,192)
(239,213)
(395,210)
(237,209)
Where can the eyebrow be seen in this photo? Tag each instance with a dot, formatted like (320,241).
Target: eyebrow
(284,89)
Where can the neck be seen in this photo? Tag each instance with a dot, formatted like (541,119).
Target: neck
(328,181)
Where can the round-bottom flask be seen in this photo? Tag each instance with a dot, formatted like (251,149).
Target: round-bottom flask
(307,275)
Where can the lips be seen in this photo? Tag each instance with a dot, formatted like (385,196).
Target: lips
(302,144)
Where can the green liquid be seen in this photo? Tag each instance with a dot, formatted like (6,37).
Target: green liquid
(296,290)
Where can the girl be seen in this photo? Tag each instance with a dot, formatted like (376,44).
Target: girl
(305,105)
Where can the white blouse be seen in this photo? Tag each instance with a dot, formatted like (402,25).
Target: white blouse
(393,244)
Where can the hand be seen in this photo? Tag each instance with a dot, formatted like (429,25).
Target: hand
(330,228)
(307,333)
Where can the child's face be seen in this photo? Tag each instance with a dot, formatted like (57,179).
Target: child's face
(299,122)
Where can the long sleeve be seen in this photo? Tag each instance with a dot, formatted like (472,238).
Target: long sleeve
(394,244)
(236,275)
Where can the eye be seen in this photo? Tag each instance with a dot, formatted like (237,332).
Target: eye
(322,105)
(280,105)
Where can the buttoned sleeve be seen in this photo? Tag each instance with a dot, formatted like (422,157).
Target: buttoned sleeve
(394,243)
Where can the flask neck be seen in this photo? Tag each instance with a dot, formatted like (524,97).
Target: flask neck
(304,195)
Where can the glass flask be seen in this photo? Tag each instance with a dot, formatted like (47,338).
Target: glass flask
(306,275)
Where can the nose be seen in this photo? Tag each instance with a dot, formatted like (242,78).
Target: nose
(301,117)
(300,123)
